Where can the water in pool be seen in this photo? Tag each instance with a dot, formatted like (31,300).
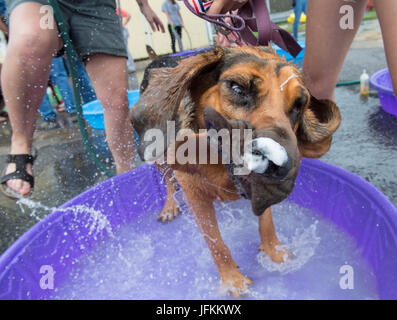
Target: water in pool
(172,260)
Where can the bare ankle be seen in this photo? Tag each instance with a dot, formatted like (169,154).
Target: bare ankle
(20,150)
(20,146)
(124,168)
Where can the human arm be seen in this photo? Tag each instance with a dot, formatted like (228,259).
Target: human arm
(180,17)
(151,17)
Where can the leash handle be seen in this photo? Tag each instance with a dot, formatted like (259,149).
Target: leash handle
(252,17)
(218,19)
(257,18)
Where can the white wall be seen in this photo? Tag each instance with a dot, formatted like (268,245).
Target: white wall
(161,42)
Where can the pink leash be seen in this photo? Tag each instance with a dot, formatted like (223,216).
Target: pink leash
(252,17)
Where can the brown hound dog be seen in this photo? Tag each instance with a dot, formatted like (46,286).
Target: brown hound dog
(250,87)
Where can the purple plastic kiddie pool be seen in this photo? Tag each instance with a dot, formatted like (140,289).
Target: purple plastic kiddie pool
(381,82)
(75,229)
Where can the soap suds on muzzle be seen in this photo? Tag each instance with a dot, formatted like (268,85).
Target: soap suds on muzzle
(261,151)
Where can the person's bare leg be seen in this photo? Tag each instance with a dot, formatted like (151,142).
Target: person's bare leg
(327,44)
(2,118)
(387,12)
(109,76)
(24,77)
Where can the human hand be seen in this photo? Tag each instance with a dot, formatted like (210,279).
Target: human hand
(151,17)
(222,41)
(223,6)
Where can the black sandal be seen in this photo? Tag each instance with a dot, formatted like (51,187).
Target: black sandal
(20,160)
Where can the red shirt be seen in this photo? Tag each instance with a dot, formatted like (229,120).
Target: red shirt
(123,12)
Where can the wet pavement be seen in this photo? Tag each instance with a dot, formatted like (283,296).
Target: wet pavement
(365,144)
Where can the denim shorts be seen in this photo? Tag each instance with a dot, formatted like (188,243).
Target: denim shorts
(93,25)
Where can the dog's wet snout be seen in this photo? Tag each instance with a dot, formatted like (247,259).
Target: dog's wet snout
(266,156)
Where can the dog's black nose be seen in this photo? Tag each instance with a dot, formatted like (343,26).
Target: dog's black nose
(277,172)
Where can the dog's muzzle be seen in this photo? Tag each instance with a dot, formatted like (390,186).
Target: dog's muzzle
(267,157)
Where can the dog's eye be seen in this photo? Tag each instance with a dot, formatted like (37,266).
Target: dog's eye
(295,111)
(236,88)
(297,106)
(240,95)
(299,103)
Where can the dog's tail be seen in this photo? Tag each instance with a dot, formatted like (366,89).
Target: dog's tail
(151,53)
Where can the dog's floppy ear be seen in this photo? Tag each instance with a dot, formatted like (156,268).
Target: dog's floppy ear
(162,98)
(319,120)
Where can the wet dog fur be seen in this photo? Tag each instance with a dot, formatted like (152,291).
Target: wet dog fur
(249,87)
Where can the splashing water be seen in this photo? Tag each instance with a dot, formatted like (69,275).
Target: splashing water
(172,261)
(34,206)
(94,219)
(302,246)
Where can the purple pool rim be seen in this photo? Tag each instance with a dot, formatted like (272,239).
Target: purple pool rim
(349,201)
(381,82)
(189,53)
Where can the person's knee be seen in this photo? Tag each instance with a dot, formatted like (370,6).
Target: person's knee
(31,47)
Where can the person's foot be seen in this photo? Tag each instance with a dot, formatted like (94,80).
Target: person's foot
(61,107)
(47,125)
(19,186)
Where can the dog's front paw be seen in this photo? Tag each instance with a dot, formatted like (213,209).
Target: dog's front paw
(169,212)
(234,281)
(277,253)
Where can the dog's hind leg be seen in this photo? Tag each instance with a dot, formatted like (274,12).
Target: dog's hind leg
(269,241)
(170,210)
